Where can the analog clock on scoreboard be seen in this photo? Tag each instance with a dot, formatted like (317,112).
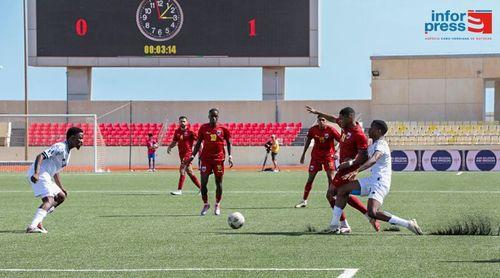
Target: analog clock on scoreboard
(159,20)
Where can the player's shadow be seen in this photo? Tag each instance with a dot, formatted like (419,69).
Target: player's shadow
(268,233)
(13,232)
(307,233)
(148,215)
(492,261)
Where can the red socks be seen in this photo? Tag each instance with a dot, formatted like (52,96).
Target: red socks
(356,203)
(194,180)
(218,198)
(182,178)
(204,198)
(307,189)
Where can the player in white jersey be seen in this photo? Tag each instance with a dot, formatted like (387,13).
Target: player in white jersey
(43,175)
(376,186)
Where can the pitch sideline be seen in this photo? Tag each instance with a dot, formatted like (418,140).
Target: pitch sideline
(255,192)
(346,272)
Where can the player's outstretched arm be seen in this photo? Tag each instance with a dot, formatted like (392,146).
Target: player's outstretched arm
(306,146)
(369,163)
(328,117)
(360,158)
(38,162)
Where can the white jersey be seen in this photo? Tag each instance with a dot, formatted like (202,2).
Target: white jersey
(382,168)
(55,159)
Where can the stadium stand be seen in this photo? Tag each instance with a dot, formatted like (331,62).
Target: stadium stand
(443,133)
(120,134)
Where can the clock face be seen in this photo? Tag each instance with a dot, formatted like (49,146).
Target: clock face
(159,20)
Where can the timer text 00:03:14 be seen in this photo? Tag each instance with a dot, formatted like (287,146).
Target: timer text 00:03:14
(160,49)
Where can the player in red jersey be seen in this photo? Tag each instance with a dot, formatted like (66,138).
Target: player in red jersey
(322,155)
(184,138)
(353,153)
(213,136)
(152,145)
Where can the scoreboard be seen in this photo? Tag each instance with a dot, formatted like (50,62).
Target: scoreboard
(173,33)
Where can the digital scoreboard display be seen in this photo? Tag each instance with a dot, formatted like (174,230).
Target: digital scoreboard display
(172,28)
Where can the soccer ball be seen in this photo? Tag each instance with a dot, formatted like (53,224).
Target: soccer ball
(155,146)
(235,220)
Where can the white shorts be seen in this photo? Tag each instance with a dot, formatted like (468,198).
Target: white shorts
(45,187)
(375,188)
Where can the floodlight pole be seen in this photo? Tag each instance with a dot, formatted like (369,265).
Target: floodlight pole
(26,124)
(130,137)
(277,112)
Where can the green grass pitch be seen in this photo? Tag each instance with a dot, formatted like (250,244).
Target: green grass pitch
(128,221)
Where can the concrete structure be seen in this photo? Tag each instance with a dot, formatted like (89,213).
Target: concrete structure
(119,156)
(79,83)
(433,88)
(197,111)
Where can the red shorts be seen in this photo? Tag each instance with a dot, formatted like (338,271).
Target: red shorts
(338,180)
(317,165)
(215,167)
(185,158)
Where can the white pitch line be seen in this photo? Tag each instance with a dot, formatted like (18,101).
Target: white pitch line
(347,272)
(446,191)
(252,192)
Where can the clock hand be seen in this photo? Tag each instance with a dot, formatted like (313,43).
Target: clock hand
(158,9)
(162,16)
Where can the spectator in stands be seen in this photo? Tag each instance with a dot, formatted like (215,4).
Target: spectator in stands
(152,146)
(274,146)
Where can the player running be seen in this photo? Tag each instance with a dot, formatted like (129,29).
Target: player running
(353,145)
(322,155)
(213,136)
(376,186)
(184,138)
(43,175)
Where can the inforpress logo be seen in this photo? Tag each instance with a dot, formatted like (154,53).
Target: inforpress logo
(470,25)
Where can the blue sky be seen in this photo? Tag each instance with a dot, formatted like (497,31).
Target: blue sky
(351,32)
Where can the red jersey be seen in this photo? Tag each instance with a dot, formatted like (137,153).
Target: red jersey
(213,142)
(150,144)
(324,144)
(185,140)
(352,140)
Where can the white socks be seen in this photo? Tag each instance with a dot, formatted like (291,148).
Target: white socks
(344,224)
(399,221)
(337,212)
(40,214)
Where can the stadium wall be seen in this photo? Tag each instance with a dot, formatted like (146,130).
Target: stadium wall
(119,156)
(432,88)
(197,111)
(471,158)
